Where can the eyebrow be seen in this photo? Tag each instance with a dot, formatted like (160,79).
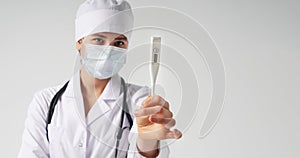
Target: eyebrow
(122,37)
(99,35)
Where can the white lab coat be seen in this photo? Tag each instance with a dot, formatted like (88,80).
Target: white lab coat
(71,134)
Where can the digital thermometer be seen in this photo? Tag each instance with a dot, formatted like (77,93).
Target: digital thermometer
(155,53)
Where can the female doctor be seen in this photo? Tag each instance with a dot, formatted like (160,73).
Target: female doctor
(93,115)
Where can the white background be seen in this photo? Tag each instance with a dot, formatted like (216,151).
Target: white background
(259,42)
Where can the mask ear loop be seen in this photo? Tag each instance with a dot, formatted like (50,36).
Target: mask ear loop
(80,58)
(82,40)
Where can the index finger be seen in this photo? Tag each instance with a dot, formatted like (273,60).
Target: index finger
(154,101)
(148,111)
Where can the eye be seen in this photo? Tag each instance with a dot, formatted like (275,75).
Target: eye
(98,41)
(120,44)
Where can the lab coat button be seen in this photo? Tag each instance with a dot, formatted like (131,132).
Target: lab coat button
(80,145)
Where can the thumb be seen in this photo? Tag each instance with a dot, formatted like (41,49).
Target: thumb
(175,134)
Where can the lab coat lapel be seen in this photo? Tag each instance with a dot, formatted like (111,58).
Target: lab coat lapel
(105,128)
(106,101)
(73,93)
(98,110)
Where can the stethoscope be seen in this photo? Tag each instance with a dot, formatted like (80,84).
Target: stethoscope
(125,112)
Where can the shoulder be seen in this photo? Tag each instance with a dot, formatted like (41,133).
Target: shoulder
(41,100)
(137,93)
(46,94)
(135,89)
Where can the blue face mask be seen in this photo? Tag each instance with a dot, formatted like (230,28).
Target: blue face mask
(103,61)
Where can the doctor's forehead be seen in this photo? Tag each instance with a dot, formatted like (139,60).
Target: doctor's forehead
(109,35)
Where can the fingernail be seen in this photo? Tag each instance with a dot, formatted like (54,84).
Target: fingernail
(178,134)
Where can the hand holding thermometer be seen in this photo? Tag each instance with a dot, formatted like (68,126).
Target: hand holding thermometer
(155,52)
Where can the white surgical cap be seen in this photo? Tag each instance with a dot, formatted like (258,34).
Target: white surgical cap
(95,16)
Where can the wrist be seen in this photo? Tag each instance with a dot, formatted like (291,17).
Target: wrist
(148,148)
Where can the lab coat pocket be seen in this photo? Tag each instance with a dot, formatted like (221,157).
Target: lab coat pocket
(55,134)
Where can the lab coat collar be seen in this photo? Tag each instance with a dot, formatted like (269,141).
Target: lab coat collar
(112,89)
(110,92)
(102,105)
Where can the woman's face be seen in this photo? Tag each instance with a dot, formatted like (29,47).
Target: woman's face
(103,38)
